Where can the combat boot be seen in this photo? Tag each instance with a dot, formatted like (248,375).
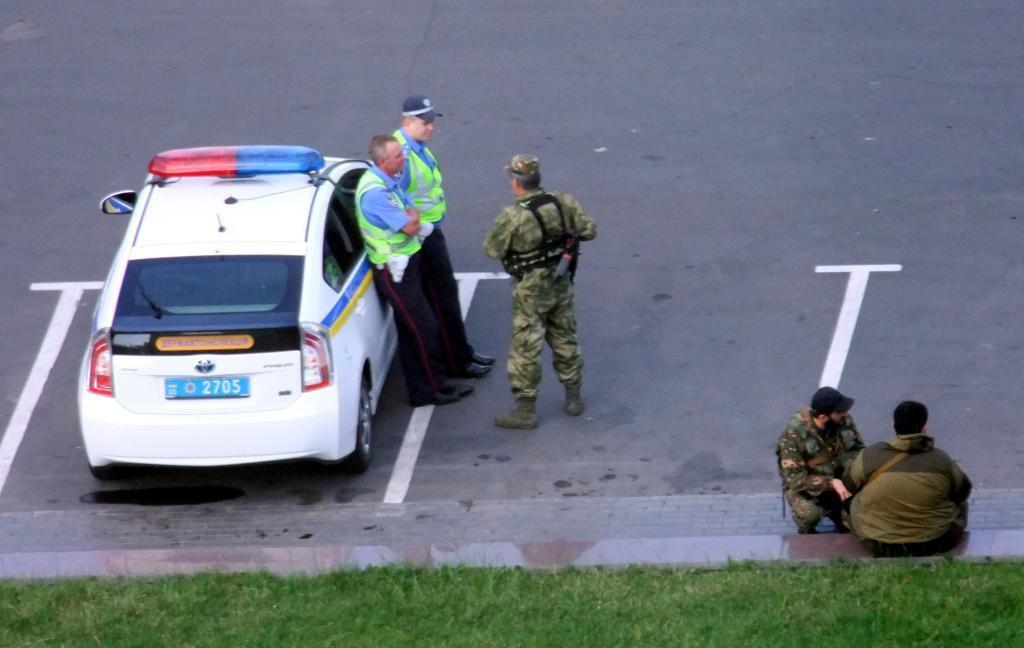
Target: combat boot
(573,399)
(521,417)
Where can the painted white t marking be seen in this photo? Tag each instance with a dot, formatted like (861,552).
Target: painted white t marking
(848,315)
(70,295)
(401,476)
(467,286)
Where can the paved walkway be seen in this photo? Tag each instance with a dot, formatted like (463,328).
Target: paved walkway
(702,530)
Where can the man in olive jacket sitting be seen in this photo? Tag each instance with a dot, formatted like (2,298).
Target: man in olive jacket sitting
(911,497)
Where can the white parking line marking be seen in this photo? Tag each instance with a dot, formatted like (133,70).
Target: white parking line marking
(401,476)
(398,486)
(848,314)
(467,286)
(63,314)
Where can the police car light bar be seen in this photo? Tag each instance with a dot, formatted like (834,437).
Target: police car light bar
(235,161)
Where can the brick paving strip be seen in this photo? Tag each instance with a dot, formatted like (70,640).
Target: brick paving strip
(698,530)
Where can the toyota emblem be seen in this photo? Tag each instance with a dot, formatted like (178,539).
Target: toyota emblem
(204,366)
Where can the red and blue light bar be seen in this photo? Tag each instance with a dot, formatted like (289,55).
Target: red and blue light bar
(235,161)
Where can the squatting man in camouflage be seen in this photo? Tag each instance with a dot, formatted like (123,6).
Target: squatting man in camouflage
(819,442)
(536,239)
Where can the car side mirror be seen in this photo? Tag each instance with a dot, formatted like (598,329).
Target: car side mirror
(121,202)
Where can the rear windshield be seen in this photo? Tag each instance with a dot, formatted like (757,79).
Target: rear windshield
(209,293)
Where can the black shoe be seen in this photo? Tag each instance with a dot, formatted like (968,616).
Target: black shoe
(838,522)
(474,370)
(438,398)
(457,389)
(482,359)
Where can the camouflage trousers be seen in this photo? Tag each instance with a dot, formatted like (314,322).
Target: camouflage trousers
(542,314)
(807,511)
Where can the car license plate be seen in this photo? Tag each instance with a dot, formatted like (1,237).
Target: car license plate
(222,387)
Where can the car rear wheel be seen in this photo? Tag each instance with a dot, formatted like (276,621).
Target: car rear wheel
(359,460)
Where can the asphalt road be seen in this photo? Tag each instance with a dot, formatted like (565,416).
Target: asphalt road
(726,150)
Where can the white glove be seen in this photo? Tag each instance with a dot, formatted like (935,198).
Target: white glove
(396,266)
(426,229)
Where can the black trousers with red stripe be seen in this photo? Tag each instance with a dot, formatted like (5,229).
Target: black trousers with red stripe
(442,291)
(418,341)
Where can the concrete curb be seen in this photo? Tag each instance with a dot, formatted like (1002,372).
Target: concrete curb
(693,530)
(707,552)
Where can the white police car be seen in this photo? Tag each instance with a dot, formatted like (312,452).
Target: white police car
(239,322)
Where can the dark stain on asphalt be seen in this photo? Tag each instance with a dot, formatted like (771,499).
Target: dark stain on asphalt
(164,496)
(697,471)
(662,296)
(349,493)
(563,483)
(502,458)
(307,497)
(609,477)
(483,456)
(305,536)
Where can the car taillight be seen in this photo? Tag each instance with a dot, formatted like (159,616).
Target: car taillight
(316,358)
(100,379)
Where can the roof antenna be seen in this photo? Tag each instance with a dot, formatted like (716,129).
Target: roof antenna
(221,225)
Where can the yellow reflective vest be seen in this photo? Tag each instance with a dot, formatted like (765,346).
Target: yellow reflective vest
(424,188)
(380,242)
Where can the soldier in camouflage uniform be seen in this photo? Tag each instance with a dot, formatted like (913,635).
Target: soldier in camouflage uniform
(530,237)
(814,450)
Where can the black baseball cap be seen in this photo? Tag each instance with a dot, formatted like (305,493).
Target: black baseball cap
(829,399)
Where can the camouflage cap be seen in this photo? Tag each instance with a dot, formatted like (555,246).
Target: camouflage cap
(523,164)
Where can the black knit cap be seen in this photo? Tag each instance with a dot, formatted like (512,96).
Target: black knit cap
(829,399)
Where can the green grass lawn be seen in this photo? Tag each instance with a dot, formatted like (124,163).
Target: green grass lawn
(947,603)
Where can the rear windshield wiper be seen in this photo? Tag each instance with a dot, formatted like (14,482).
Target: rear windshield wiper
(157,311)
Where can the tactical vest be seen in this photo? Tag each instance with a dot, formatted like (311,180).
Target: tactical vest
(551,247)
(424,189)
(381,243)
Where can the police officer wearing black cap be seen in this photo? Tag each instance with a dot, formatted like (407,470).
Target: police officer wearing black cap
(814,450)
(422,182)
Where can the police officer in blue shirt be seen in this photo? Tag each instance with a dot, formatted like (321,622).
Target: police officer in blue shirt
(391,229)
(422,180)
